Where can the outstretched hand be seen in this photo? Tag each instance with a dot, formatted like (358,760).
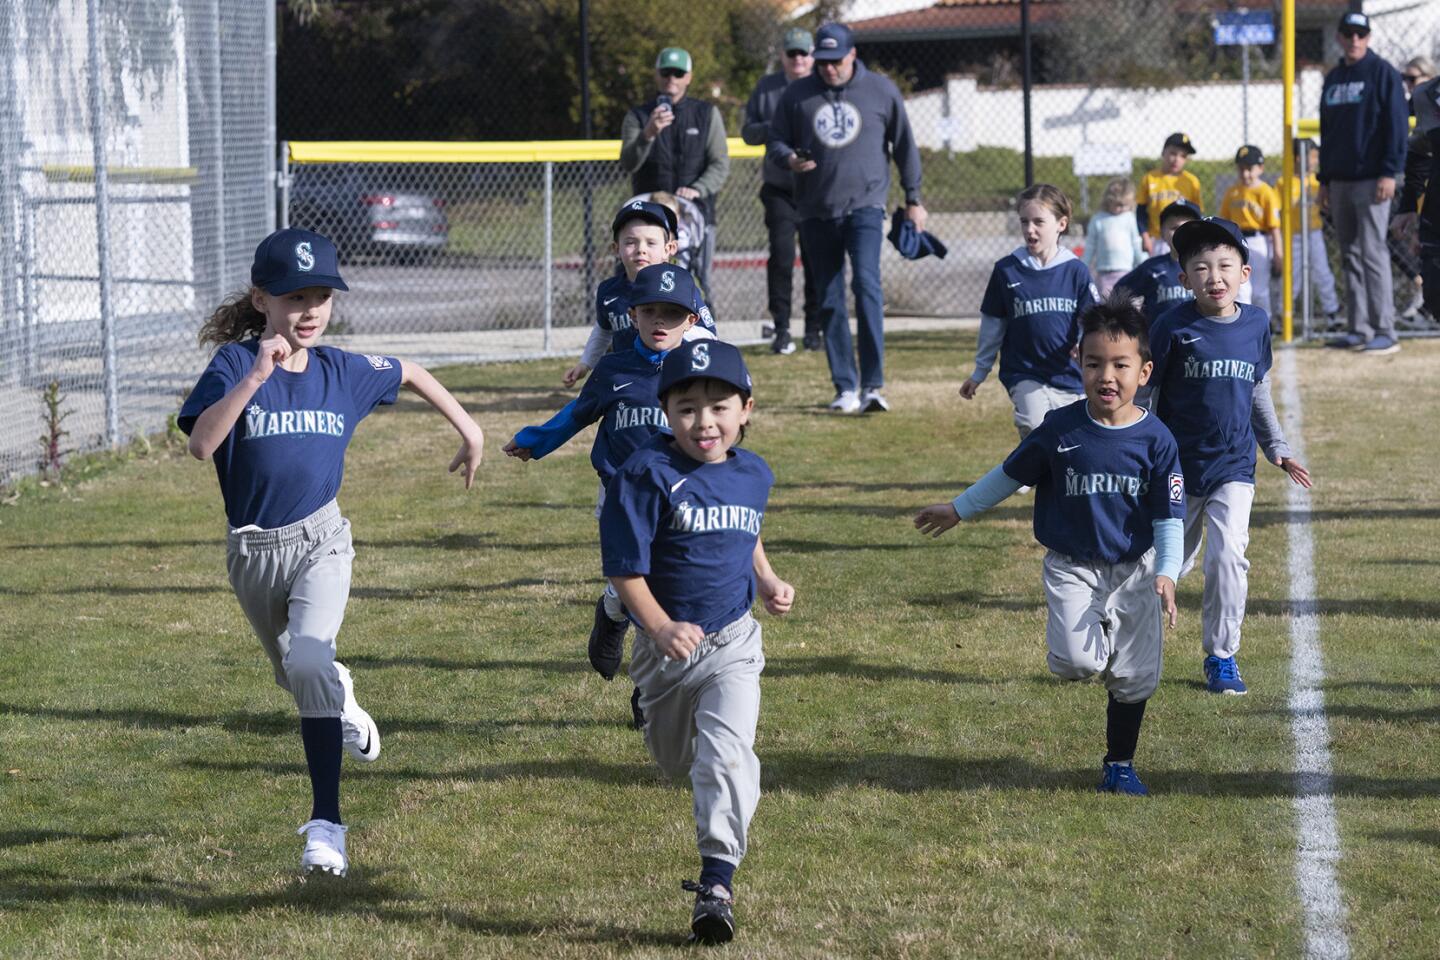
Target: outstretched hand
(512,450)
(472,451)
(1295,469)
(936,519)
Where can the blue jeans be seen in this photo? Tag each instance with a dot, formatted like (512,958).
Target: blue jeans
(827,241)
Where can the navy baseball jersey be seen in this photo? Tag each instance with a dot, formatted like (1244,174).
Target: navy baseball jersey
(612,311)
(1204,377)
(621,394)
(1041,309)
(1157,282)
(285,458)
(1098,489)
(688,528)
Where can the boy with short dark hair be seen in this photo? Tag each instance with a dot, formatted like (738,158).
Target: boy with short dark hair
(1157,281)
(1163,186)
(1109,505)
(1211,387)
(1254,206)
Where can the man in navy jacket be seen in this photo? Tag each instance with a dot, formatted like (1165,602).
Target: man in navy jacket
(1364,124)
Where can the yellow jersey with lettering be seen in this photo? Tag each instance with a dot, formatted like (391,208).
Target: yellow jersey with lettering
(1312,198)
(1158,190)
(1252,208)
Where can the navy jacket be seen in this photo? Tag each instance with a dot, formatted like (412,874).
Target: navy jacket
(1364,121)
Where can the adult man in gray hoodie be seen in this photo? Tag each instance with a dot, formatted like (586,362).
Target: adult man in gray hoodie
(837,130)
(777,194)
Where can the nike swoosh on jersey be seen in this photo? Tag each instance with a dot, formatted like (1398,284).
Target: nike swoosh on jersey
(1017,283)
(676,485)
(610,301)
(1067,449)
(621,386)
(1191,340)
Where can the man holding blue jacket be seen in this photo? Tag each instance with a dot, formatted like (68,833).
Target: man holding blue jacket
(837,129)
(1364,125)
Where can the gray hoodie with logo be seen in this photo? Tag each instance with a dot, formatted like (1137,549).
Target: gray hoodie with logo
(851,132)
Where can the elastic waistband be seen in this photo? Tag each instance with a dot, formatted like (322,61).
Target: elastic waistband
(734,630)
(314,527)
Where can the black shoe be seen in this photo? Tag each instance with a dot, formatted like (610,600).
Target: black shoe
(714,918)
(813,342)
(783,345)
(637,716)
(607,642)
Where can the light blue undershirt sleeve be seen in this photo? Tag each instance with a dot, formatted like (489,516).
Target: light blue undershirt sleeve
(985,493)
(551,434)
(1169,547)
(992,334)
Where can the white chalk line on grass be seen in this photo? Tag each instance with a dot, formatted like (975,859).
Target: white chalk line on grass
(1318,837)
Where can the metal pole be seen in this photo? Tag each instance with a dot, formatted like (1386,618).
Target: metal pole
(549,250)
(271,11)
(283,183)
(587,132)
(102,228)
(1287,161)
(1245,92)
(1025,79)
(12,132)
(28,309)
(217,120)
(1304,245)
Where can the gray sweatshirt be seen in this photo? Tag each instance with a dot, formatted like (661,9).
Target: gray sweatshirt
(850,132)
(756,128)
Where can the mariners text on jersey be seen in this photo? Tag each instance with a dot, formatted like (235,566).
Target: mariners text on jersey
(689,519)
(261,423)
(1096,484)
(1024,308)
(1197,369)
(627,416)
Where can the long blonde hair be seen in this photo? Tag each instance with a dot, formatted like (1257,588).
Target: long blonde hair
(234,320)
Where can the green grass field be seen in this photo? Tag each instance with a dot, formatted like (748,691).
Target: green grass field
(929,788)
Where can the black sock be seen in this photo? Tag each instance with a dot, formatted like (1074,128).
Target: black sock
(1122,729)
(322,739)
(716,872)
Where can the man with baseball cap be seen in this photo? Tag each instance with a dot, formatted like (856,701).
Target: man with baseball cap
(777,194)
(1364,123)
(677,143)
(837,130)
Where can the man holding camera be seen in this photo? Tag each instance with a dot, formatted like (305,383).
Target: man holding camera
(837,129)
(676,143)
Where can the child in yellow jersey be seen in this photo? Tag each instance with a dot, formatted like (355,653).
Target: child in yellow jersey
(1254,206)
(1310,234)
(1163,186)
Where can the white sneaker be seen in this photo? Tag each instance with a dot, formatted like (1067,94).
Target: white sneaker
(358,733)
(324,848)
(846,401)
(872,401)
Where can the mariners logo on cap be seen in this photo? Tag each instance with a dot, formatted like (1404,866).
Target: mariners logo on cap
(637,205)
(667,281)
(304,257)
(700,357)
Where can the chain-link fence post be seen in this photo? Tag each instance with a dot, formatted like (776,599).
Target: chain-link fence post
(110,371)
(549,268)
(9,200)
(282,183)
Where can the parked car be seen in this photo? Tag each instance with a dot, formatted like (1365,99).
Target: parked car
(370,210)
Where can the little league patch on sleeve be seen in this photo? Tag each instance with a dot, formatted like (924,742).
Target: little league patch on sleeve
(1177,488)
(379,363)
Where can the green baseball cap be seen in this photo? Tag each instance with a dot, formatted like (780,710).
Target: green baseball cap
(798,39)
(674,58)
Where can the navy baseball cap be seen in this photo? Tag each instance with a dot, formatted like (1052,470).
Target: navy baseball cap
(833,41)
(711,359)
(1249,155)
(1354,22)
(1181,208)
(293,259)
(656,213)
(663,283)
(1191,236)
(1181,140)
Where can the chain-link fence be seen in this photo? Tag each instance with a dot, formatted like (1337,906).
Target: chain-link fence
(136,176)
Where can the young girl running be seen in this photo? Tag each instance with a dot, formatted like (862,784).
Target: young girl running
(680,538)
(1031,311)
(276,412)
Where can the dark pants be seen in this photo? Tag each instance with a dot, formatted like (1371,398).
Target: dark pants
(1430,274)
(828,241)
(782,221)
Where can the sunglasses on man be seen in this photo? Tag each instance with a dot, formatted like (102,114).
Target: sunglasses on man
(797,54)
(672,73)
(1352,33)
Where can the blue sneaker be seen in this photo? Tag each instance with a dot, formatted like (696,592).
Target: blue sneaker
(1379,346)
(1347,341)
(1222,675)
(1121,778)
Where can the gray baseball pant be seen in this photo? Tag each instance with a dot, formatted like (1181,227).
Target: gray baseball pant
(700,717)
(1105,619)
(1223,518)
(1360,225)
(293,583)
(1034,399)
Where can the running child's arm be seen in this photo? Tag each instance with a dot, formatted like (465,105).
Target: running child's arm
(1169,549)
(532,443)
(422,383)
(983,494)
(215,423)
(596,346)
(778,595)
(675,640)
(992,334)
(1266,424)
